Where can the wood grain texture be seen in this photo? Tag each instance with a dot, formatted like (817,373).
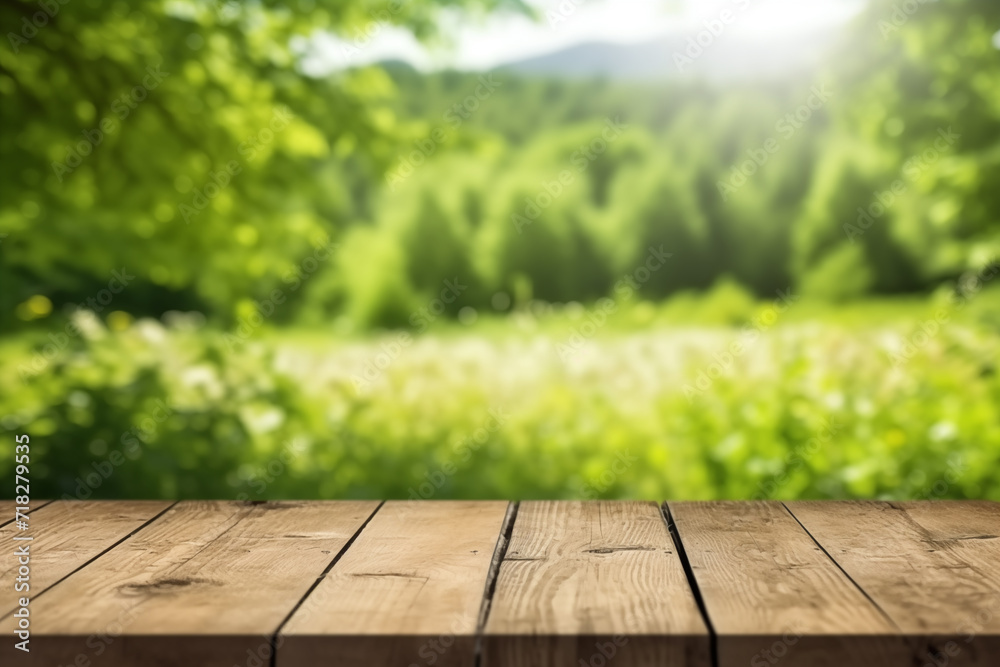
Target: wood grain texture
(772,594)
(932,566)
(207,583)
(7,509)
(65,535)
(408,591)
(587,583)
(224,584)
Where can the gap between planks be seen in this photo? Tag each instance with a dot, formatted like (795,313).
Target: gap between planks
(499,553)
(97,555)
(840,567)
(9,509)
(164,562)
(340,554)
(713,637)
(767,586)
(438,557)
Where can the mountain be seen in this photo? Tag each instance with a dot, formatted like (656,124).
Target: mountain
(725,58)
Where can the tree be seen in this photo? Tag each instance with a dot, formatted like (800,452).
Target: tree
(182,140)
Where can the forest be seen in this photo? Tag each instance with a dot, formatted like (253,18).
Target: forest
(342,275)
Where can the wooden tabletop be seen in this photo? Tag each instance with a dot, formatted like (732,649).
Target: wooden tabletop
(498,584)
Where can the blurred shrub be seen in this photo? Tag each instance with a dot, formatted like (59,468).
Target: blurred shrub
(799,410)
(152,412)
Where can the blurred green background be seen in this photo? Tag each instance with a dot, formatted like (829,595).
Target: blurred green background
(246,254)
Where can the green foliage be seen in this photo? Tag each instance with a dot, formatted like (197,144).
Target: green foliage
(919,104)
(147,134)
(152,412)
(804,411)
(236,157)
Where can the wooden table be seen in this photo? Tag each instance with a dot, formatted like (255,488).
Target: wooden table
(497,584)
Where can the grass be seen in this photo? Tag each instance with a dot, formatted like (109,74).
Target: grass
(856,401)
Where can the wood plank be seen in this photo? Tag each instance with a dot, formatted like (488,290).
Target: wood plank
(65,535)
(408,591)
(7,509)
(207,583)
(589,583)
(772,594)
(932,566)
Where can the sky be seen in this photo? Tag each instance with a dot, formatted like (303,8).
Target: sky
(563,23)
